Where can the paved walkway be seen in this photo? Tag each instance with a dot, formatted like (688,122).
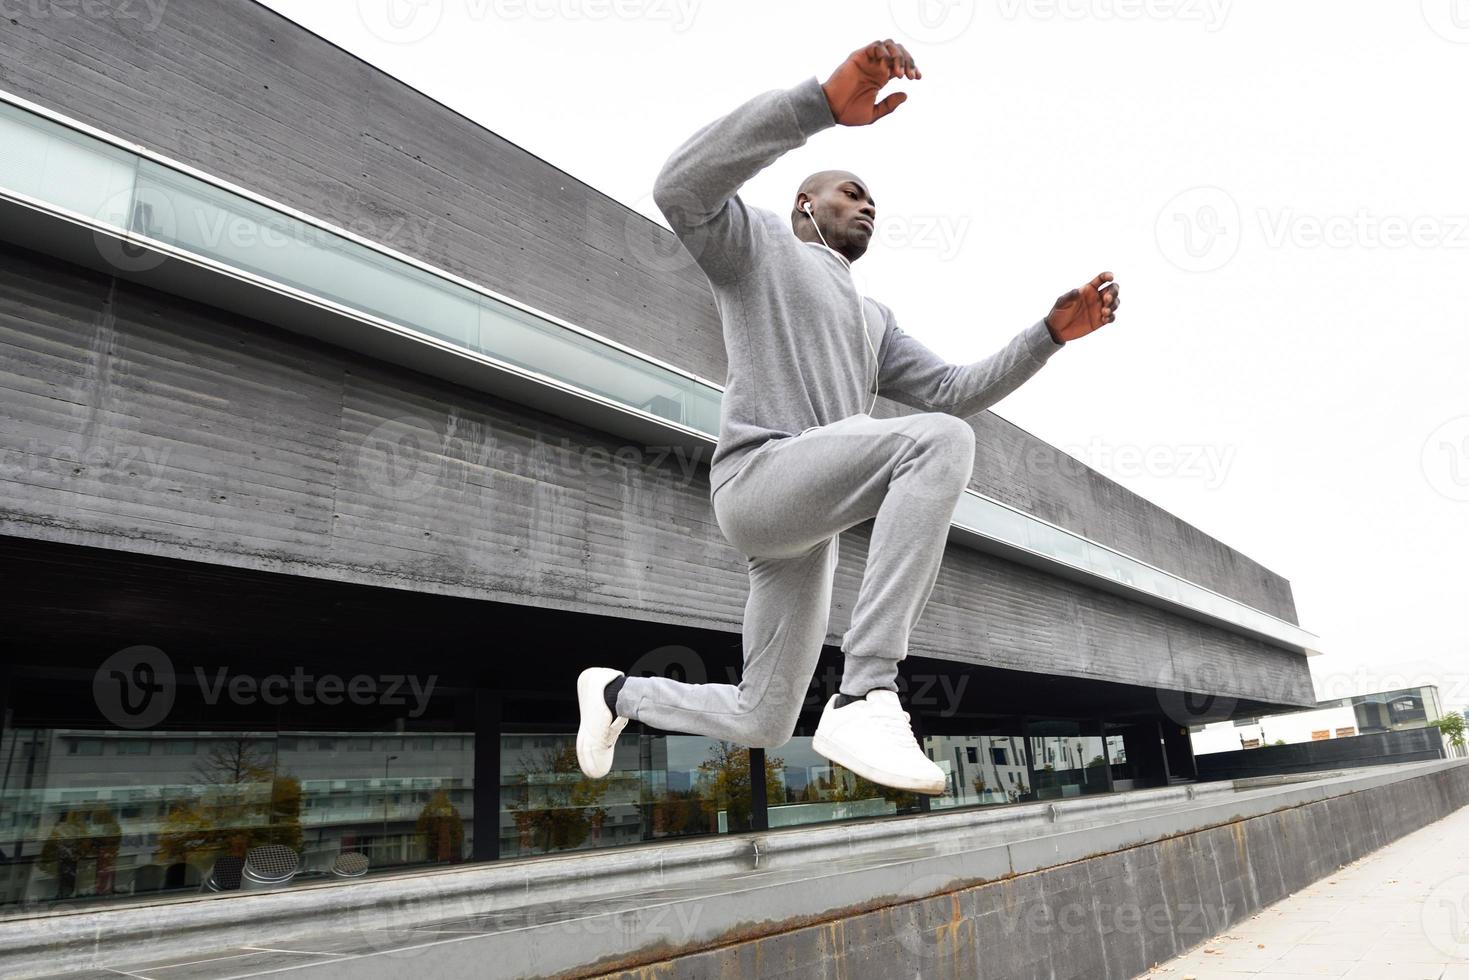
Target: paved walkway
(1400,913)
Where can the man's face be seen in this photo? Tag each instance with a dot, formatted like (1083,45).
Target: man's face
(847,215)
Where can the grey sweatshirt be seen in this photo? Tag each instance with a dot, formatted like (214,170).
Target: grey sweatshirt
(792,325)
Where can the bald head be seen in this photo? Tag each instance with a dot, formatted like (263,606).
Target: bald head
(843,210)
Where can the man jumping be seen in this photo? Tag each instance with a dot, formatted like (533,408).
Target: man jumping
(800,458)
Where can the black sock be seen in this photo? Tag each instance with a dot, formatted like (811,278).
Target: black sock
(609,693)
(845,699)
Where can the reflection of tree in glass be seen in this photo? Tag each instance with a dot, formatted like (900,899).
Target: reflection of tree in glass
(725,782)
(441,829)
(80,836)
(554,802)
(845,786)
(674,813)
(241,804)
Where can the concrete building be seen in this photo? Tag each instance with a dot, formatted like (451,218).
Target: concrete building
(340,434)
(1361,714)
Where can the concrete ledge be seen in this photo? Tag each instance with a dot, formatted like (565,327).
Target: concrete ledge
(565,915)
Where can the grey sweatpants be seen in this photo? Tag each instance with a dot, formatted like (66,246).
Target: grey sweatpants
(784,510)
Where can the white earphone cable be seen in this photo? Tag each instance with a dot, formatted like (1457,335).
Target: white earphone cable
(861,306)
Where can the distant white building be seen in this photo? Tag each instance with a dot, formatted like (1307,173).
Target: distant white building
(1360,714)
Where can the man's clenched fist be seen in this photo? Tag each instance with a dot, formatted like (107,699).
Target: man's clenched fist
(851,91)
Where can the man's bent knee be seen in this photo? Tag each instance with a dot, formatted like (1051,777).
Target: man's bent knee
(769,729)
(951,438)
(950,430)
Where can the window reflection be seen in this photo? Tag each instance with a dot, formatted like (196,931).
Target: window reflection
(93,814)
(659,787)
(1069,759)
(809,788)
(983,769)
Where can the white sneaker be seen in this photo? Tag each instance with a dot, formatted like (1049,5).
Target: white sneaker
(596,737)
(873,737)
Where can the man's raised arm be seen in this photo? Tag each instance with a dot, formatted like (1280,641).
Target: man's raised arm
(914,375)
(697,188)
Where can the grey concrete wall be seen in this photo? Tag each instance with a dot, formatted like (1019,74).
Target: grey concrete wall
(140,421)
(1111,916)
(1373,749)
(240,92)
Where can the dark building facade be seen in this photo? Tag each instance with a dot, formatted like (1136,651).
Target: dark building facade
(340,434)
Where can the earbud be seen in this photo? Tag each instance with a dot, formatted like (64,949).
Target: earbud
(861,306)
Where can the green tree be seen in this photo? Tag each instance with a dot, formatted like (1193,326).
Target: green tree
(726,783)
(555,805)
(1452,727)
(441,828)
(240,803)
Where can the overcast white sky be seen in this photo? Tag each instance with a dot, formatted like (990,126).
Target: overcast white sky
(1279,189)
